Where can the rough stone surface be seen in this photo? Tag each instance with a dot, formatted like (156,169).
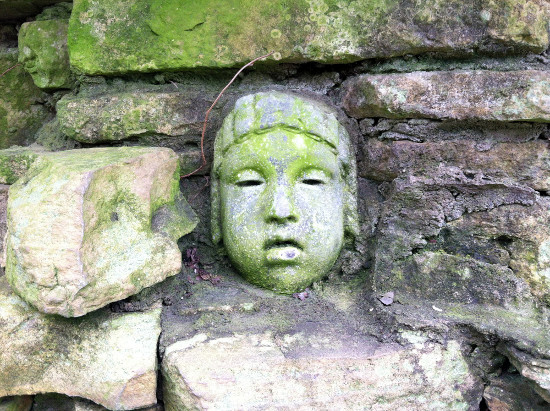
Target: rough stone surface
(15,161)
(511,392)
(121,116)
(21,111)
(23,403)
(43,53)
(525,162)
(17,9)
(458,95)
(112,217)
(536,370)
(301,372)
(105,357)
(156,35)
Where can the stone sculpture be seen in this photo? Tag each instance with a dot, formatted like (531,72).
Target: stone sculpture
(283,190)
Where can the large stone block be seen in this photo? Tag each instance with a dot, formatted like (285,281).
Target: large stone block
(111,217)
(458,95)
(152,35)
(120,116)
(21,111)
(251,372)
(43,53)
(108,358)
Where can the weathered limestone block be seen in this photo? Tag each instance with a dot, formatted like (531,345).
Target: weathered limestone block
(108,358)
(21,113)
(120,116)
(153,35)
(512,393)
(537,370)
(17,9)
(43,53)
(294,372)
(458,95)
(15,161)
(23,403)
(527,162)
(95,207)
(464,239)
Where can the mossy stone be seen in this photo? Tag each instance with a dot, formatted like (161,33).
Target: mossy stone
(43,53)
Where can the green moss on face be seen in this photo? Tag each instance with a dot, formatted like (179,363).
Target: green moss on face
(280,193)
(43,52)
(20,114)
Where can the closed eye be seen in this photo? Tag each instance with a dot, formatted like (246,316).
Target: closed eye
(249,183)
(312,181)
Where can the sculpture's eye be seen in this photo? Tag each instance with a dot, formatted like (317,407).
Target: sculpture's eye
(249,178)
(249,183)
(313,181)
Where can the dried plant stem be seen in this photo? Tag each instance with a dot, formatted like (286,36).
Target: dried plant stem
(205,123)
(11,68)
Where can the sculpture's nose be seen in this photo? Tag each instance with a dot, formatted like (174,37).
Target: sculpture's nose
(280,207)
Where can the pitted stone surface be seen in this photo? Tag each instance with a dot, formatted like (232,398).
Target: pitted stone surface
(105,357)
(457,95)
(157,35)
(301,371)
(79,227)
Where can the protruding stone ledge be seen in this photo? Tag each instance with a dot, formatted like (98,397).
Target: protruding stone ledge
(157,35)
(457,95)
(108,358)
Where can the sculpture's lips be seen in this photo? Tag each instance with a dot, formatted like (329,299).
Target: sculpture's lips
(282,251)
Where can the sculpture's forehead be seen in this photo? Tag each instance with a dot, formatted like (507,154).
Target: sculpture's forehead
(262,111)
(280,148)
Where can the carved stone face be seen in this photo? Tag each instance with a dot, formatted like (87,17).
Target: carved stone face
(280,199)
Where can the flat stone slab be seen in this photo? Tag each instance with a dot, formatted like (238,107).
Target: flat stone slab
(112,217)
(303,371)
(119,116)
(106,357)
(458,95)
(156,35)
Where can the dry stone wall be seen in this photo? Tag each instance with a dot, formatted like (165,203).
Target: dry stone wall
(442,301)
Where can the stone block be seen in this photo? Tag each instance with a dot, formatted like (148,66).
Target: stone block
(43,53)
(458,95)
(111,217)
(106,357)
(21,111)
(527,162)
(157,35)
(302,371)
(120,116)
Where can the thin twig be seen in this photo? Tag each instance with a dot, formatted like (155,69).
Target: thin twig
(212,106)
(11,68)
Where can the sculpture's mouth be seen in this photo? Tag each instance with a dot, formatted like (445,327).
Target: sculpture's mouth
(283,251)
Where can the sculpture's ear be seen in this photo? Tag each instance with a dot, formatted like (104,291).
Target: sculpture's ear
(215,222)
